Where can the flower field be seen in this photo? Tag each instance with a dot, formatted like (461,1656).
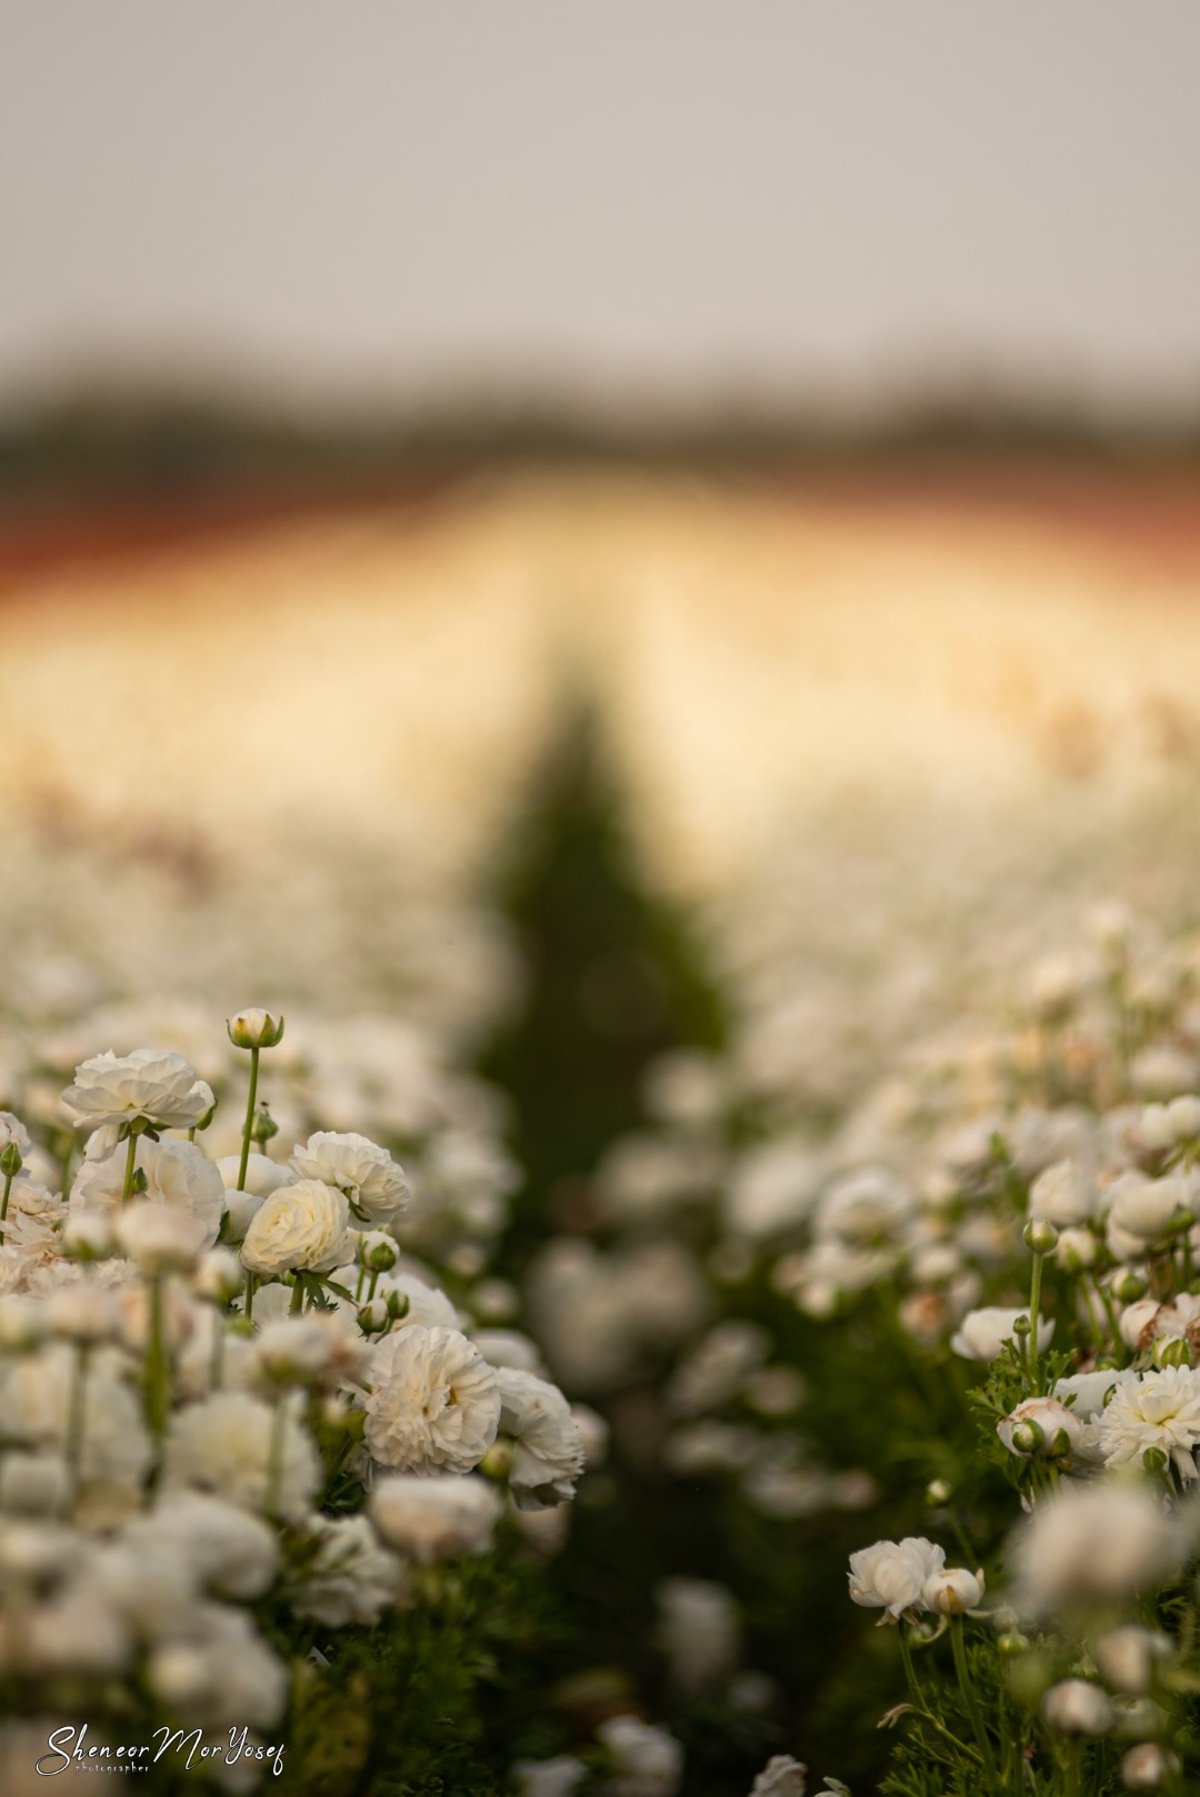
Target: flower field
(595,1202)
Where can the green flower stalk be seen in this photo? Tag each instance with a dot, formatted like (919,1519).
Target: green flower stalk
(10,1165)
(253,1030)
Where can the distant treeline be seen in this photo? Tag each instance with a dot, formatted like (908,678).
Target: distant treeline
(175,446)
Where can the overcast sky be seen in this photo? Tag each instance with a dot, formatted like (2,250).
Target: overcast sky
(623,195)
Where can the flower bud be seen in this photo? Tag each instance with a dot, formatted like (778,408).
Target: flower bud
(1012,1642)
(82,1313)
(1129,1285)
(1075,1707)
(1041,1235)
(938,1491)
(377,1251)
(1022,1326)
(24,1322)
(1145,1766)
(1172,1350)
(1077,1249)
(218,1276)
(397,1305)
(255,1029)
(953,1590)
(87,1235)
(160,1238)
(1155,1460)
(10,1160)
(373,1318)
(264,1128)
(1028,1437)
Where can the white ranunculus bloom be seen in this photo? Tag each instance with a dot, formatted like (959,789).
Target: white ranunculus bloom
(509,1348)
(150,1083)
(1094,1542)
(557,1777)
(548,1456)
(648,1761)
(1145,1208)
(1091,1390)
(322,1348)
(372,1181)
(1060,1429)
(231,1552)
(1076,1707)
(13,1131)
(891,1575)
(306,1225)
(982,1333)
(1127,1657)
(1147,1766)
(1063,1195)
(220,1673)
(223,1445)
(263,1175)
(1160,1410)
(953,1591)
(699,1632)
(435,1402)
(782,1776)
(437,1517)
(350,1578)
(160,1238)
(35,1400)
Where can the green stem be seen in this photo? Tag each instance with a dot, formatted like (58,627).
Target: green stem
(249,1123)
(216,1365)
(8,1183)
(1035,1299)
(275,1455)
(251,1283)
(130,1168)
(969,1698)
(77,1416)
(297,1303)
(157,1374)
(1074,1752)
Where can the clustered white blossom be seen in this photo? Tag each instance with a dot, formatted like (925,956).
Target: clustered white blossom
(224,1375)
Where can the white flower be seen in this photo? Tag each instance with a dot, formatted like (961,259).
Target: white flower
(1062,1195)
(435,1401)
(1094,1541)
(219,1673)
(350,1579)
(1091,1390)
(160,1238)
(159,1087)
(35,1405)
(982,1333)
(557,1777)
(224,1445)
(864,1207)
(1051,1429)
(230,1552)
(549,1448)
(1159,1410)
(317,1349)
(508,1347)
(1147,1765)
(255,1028)
(891,1575)
(367,1174)
(13,1131)
(436,1517)
(782,1776)
(306,1225)
(953,1591)
(263,1175)
(1127,1657)
(1145,1208)
(1075,1707)
(648,1761)
(698,1632)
